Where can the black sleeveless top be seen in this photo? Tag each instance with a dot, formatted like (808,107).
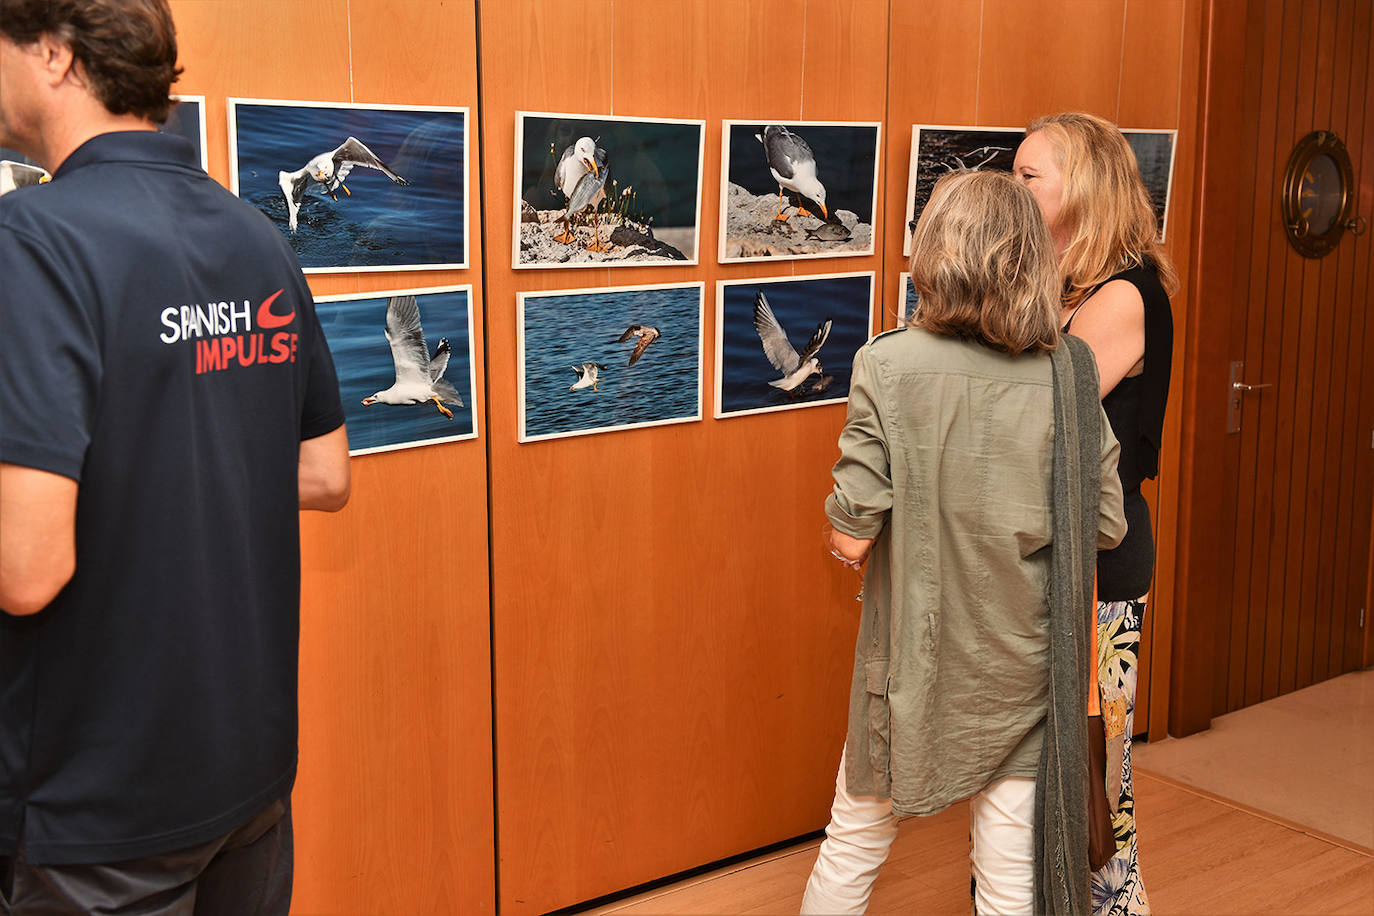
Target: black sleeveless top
(1135,409)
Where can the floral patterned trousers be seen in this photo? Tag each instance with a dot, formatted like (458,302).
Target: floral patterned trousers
(1117,887)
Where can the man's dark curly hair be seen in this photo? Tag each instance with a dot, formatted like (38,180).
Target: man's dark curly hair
(127,48)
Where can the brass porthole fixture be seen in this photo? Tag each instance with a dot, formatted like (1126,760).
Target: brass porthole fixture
(1318,198)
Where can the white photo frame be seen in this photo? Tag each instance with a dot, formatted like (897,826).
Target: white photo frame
(745,174)
(559,330)
(800,304)
(354,325)
(421,224)
(645,162)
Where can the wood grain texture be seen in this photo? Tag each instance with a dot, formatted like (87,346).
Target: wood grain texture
(393,804)
(672,650)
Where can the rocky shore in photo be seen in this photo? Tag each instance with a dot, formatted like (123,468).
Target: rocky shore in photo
(753,231)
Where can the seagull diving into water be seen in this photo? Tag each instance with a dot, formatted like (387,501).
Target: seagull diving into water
(795,368)
(15,175)
(419,376)
(587,376)
(330,169)
(646,335)
(581,176)
(793,166)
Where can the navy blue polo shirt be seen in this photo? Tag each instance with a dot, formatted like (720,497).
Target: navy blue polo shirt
(158,345)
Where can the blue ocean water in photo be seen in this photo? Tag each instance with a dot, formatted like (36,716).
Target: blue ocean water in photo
(381,223)
(799,306)
(362,358)
(566,330)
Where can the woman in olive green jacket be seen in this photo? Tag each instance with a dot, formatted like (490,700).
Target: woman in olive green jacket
(945,488)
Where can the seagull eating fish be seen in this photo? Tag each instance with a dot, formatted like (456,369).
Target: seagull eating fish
(330,169)
(581,176)
(419,376)
(795,367)
(794,168)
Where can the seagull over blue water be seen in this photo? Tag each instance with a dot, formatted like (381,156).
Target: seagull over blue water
(587,376)
(581,176)
(793,166)
(419,376)
(646,335)
(14,175)
(795,367)
(330,169)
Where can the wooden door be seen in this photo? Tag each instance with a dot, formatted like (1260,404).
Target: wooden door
(1277,539)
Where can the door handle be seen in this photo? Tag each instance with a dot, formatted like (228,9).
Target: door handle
(1235,390)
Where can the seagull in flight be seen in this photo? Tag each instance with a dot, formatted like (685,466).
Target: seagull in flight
(330,169)
(795,367)
(15,175)
(587,376)
(419,376)
(646,335)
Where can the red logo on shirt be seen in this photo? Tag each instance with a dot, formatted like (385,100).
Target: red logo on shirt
(268,320)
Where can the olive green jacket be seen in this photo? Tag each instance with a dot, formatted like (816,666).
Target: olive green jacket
(946,460)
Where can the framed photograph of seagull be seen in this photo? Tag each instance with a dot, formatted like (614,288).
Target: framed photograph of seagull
(1154,154)
(604,191)
(19,171)
(187,119)
(788,342)
(806,189)
(937,150)
(356,187)
(405,365)
(907,298)
(600,360)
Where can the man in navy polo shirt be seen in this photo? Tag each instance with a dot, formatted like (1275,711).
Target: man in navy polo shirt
(167,402)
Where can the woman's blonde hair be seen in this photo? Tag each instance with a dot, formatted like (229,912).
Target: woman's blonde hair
(984,264)
(1105,207)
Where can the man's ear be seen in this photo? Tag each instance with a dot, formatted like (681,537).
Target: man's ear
(57,61)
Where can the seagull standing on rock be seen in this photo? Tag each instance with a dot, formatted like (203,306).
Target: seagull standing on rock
(794,168)
(419,376)
(795,367)
(330,169)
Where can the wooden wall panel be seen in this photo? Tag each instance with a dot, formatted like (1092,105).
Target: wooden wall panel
(393,804)
(672,648)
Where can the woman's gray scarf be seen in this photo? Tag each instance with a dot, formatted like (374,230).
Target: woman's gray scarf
(1062,877)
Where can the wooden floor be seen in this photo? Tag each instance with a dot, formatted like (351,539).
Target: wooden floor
(1200,855)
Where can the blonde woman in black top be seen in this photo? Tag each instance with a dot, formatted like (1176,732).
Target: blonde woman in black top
(1117,281)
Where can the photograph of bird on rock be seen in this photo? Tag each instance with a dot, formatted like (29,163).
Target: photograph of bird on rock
(606,191)
(798,190)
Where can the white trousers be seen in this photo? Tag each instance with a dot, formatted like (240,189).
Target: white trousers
(862,829)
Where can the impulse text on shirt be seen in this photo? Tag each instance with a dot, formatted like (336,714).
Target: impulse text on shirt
(219,342)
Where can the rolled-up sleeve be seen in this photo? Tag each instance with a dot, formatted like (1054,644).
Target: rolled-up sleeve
(1111,512)
(862,498)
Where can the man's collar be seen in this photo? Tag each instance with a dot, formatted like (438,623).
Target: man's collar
(131,146)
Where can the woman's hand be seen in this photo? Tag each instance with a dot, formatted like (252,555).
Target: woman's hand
(850,551)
